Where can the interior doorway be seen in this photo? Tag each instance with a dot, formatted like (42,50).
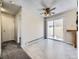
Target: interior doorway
(10,27)
(55,29)
(9,22)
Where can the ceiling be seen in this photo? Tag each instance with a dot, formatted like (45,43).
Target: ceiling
(10,8)
(61,5)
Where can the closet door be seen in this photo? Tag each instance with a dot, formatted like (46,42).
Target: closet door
(7,27)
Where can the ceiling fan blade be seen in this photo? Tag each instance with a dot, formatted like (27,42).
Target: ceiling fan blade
(53,12)
(53,9)
(43,9)
(43,4)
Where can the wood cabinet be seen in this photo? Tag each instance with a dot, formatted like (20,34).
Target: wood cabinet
(74,37)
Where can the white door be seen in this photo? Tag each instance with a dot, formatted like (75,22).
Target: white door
(7,27)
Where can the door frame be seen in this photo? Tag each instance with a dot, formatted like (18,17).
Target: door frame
(18,24)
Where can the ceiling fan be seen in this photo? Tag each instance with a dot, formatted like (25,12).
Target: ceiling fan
(47,9)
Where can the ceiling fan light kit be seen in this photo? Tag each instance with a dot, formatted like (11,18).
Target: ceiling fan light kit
(48,11)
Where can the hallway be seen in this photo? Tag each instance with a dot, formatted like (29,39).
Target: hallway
(12,51)
(50,49)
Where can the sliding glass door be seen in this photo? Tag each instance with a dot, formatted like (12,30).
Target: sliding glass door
(50,29)
(55,29)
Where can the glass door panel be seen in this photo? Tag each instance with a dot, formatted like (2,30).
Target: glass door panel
(50,29)
(58,29)
(55,29)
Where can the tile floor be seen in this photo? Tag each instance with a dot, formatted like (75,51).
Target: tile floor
(50,49)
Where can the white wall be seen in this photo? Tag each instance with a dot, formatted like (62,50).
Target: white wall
(69,19)
(31,23)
